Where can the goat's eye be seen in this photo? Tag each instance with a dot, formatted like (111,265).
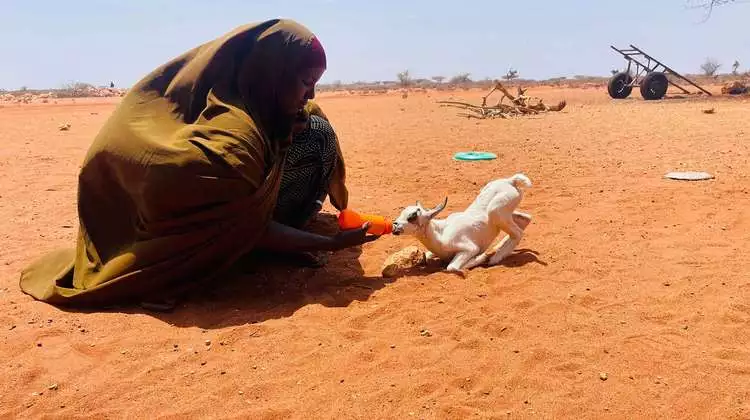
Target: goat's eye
(412,217)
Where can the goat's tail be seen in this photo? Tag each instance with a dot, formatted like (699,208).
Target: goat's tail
(519,180)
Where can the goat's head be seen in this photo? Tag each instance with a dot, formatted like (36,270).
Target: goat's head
(414,218)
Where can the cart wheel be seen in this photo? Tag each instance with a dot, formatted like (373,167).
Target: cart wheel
(618,85)
(654,86)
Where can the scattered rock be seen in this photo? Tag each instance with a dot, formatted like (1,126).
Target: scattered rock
(242,393)
(402,261)
(425,333)
(64,127)
(709,111)
(203,363)
(603,376)
(393,346)
(52,387)
(208,342)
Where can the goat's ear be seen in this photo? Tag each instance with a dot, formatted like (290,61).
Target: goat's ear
(440,207)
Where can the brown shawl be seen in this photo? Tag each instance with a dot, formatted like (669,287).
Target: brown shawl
(182,179)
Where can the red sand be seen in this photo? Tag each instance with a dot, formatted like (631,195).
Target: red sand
(626,274)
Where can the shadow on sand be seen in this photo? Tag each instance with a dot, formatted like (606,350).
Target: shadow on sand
(265,286)
(261,287)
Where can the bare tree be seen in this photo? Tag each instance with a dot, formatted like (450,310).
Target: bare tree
(404,78)
(438,79)
(735,67)
(708,5)
(710,67)
(460,79)
(511,74)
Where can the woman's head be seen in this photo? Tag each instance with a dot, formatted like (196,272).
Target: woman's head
(279,75)
(270,68)
(301,87)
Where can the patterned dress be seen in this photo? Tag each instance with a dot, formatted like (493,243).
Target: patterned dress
(309,164)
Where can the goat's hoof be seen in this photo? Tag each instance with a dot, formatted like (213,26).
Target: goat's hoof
(455,270)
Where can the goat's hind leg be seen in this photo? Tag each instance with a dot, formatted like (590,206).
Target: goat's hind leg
(460,261)
(514,228)
(476,261)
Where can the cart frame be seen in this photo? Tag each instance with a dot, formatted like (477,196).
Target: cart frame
(634,54)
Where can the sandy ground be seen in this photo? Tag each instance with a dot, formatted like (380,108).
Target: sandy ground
(621,272)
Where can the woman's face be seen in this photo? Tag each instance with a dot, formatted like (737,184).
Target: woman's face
(302,89)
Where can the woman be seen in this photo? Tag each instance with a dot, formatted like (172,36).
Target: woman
(185,176)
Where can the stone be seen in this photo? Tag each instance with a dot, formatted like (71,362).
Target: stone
(402,261)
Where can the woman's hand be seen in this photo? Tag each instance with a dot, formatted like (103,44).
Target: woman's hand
(353,237)
(284,238)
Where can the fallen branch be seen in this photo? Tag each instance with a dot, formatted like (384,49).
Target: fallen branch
(520,104)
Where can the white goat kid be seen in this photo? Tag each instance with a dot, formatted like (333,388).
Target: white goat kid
(464,238)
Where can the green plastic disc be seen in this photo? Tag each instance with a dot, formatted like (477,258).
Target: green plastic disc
(474,156)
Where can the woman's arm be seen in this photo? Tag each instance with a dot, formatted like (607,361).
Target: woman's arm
(282,238)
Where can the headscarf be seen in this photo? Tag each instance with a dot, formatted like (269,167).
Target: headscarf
(182,179)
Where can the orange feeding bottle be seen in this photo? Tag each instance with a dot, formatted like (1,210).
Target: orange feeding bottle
(379,225)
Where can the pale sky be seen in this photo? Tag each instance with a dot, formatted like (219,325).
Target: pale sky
(48,43)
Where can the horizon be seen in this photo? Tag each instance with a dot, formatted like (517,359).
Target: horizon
(101,41)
